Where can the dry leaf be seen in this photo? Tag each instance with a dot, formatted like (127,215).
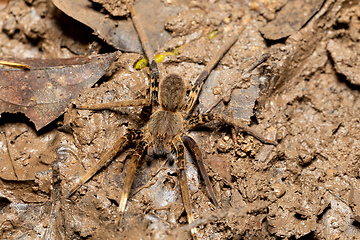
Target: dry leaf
(43,92)
(120,33)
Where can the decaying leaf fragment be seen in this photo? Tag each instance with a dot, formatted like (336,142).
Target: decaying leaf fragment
(120,32)
(43,92)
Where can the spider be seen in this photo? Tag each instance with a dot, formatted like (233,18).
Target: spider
(165,132)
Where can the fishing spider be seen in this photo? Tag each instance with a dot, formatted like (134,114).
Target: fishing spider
(165,132)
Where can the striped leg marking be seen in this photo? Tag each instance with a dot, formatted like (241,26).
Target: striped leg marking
(112,105)
(149,52)
(205,118)
(130,136)
(185,193)
(140,149)
(194,94)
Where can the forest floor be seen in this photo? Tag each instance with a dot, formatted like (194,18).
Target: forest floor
(305,96)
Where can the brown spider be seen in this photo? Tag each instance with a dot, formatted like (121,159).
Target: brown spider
(166,130)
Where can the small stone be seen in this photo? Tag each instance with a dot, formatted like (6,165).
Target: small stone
(221,146)
(217,91)
(279,189)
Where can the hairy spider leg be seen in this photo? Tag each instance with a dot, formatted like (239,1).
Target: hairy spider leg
(205,118)
(195,90)
(130,136)
(154,84)
(196,152)
(183,181)
(112,105)
(130,173)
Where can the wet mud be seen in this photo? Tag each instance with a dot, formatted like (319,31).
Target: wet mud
(305,96)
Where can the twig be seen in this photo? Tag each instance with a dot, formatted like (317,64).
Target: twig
(219,215)
(15,65)
(8,150)
(262,59)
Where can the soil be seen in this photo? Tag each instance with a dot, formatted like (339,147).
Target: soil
(305,96)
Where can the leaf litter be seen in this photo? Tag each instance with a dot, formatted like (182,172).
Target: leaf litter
(119,32)
(44,91)
(304,187)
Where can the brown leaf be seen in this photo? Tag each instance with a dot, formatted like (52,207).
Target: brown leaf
(291,18)
(43,92)
(120,33)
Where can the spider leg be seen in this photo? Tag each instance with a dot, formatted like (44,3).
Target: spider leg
(205,118)
(195,90)
(195,150)
(149,52)
(112,105)
(131,135)
(140,148)
(185,193)
(154,84)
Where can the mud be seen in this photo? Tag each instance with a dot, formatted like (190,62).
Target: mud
(306,96)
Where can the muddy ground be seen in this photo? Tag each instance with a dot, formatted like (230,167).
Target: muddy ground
(305,96)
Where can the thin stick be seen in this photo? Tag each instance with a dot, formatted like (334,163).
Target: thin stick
(15,65)
(205,118)
(8,150)
(189,105)
(142,35)
(221,214)
(218,56)
(112,105)
(262,59)
(148,184)
(149,52)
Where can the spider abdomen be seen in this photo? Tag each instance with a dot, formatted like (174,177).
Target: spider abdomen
(163,126)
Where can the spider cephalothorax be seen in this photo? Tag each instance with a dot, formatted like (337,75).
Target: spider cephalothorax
(166,131)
